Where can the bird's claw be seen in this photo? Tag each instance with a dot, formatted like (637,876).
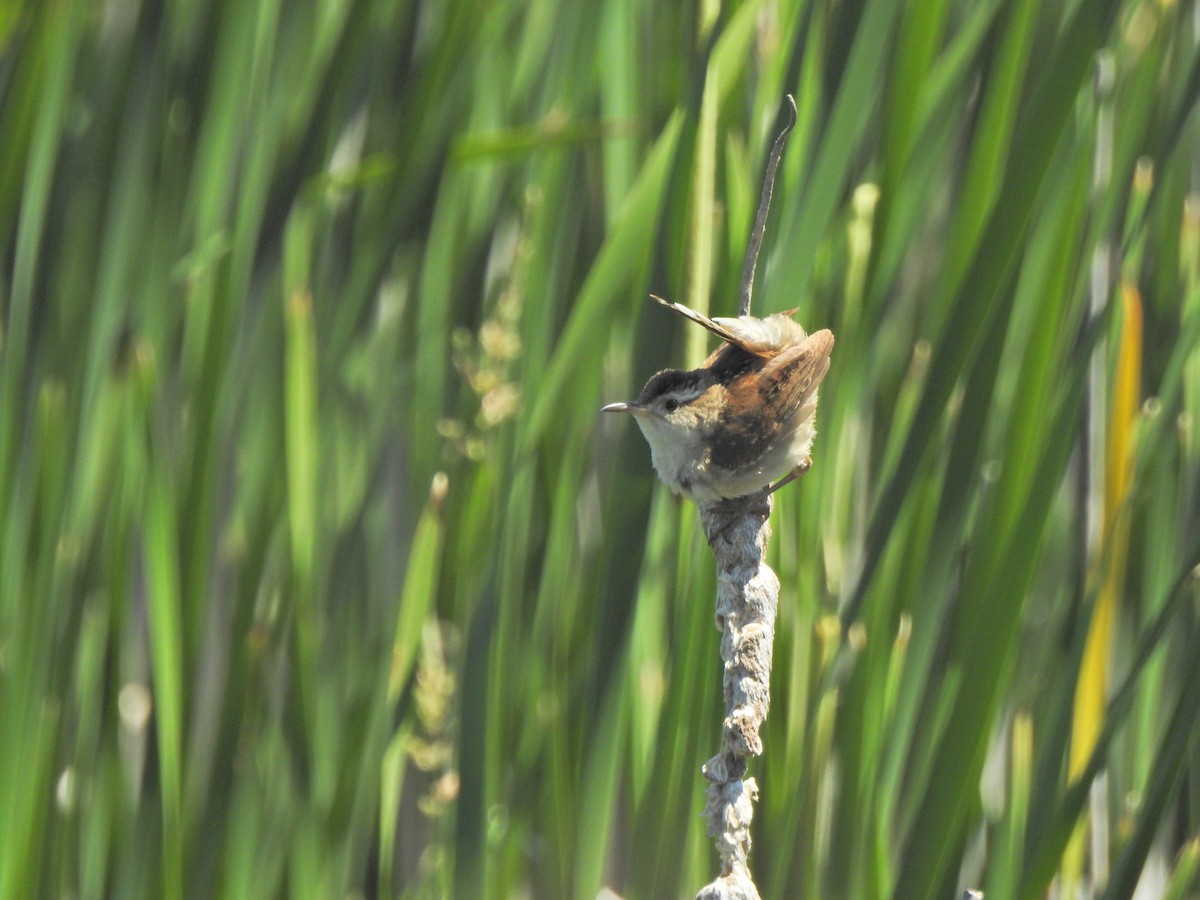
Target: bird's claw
(805,465)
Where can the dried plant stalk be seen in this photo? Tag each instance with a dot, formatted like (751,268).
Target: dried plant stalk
(747,599)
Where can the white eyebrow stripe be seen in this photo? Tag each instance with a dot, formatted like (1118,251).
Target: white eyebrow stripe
(686,396)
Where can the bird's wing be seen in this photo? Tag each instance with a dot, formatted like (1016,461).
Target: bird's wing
(788,380)
(759,411)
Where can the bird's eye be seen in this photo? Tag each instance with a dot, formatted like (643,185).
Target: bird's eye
(671,405)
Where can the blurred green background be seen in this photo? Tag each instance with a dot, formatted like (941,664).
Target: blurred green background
(322,576)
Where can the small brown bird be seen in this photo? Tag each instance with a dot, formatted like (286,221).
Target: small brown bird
(745,418)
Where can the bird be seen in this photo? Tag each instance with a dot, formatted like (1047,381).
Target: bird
(746,418)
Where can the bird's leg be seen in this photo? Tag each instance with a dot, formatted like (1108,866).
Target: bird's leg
(791,476)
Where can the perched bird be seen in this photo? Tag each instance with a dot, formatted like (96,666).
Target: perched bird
(745,418)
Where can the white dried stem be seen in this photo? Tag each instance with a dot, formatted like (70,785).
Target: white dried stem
(747,598)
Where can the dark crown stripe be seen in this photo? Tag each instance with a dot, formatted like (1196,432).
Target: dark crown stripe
(671,381)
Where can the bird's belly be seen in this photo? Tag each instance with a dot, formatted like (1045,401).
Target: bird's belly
(776,461)
(689,470)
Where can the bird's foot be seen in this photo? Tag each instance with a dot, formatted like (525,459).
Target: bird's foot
(791,476)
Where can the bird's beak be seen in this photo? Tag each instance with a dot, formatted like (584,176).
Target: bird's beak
(624,407)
